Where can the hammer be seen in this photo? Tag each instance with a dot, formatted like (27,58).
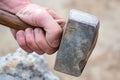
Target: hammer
(78,40)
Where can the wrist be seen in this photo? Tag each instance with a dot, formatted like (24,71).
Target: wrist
(13,6)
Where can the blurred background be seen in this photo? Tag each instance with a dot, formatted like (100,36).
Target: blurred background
(104,63)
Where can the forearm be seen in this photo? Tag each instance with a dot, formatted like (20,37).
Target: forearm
(13,6)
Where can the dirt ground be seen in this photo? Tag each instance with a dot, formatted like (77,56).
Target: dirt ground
(104,62)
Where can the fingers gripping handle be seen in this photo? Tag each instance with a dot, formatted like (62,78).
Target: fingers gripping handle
(12,21)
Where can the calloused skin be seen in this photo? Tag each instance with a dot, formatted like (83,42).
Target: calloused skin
(45,38)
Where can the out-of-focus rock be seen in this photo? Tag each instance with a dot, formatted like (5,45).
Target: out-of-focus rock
(23,66)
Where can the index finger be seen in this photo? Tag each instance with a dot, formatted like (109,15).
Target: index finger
(59,19)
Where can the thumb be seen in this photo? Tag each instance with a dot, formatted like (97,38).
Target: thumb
(53,31)
(52,28)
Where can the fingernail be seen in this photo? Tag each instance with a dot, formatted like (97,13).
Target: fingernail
(20,33)
(29,30)
(55,43)
(37,30)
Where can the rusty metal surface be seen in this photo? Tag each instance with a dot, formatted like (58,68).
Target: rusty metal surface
(78,41)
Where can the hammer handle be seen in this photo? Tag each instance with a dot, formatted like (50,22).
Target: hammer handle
(12,21)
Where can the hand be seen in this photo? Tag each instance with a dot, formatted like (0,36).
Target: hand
(45,38)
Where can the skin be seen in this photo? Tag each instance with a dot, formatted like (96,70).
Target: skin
(45,38)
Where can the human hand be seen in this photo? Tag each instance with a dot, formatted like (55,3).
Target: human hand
(45,38)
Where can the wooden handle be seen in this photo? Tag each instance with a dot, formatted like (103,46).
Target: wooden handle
(12,21)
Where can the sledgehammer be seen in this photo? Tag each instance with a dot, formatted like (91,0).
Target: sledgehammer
(78,40)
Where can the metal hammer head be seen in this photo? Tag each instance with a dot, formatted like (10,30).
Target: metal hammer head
(78,41)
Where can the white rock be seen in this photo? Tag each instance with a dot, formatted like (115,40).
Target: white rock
(23,66)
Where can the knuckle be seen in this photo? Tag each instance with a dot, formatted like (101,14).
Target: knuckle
(39,52)
(29,51)
(50,51)
(22,45)
(38,19)
(41,12)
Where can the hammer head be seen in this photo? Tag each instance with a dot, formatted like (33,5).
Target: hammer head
(78,41)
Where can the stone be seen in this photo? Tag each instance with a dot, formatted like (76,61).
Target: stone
(23,66)
(78,41)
